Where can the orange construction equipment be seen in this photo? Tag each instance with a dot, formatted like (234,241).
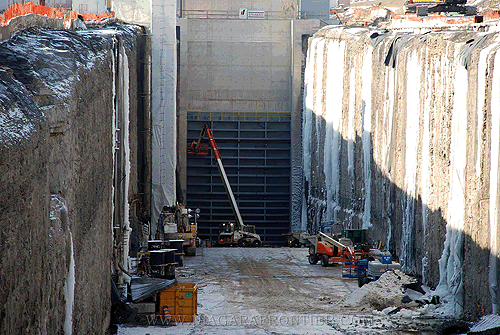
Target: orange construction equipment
(328,250)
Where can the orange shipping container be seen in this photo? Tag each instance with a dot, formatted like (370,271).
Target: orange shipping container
(181,300)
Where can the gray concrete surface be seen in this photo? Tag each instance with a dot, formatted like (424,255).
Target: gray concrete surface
(234,6)
(241,66)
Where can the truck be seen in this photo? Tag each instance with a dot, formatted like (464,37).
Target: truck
(231,233)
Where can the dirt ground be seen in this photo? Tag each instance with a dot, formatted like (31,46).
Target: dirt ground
(273,291)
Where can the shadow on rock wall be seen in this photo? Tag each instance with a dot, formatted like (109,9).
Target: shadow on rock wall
(415,235)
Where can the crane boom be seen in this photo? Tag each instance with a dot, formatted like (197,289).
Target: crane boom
(200,149)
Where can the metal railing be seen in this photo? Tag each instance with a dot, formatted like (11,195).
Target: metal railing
(268,15)
(238,116)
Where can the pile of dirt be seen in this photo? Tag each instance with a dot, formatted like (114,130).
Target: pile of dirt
(385,292)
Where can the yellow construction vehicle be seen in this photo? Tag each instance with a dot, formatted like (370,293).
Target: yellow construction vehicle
(174,224)
(231,234)
(423,7)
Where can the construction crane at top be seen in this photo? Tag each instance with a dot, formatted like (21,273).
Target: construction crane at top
(229,233)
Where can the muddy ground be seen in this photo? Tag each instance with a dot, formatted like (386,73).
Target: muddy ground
(275,291)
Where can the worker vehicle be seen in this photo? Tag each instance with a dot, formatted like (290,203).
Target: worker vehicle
(231,235)
(422,7)
(174,224)
(296,239)
(333,248)
(238,233)
(327,250)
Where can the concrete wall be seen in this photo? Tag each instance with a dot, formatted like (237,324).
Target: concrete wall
(86,6)
(234,6)
(239,65)
(57,167)
(401,137)
(315,6)
(235,65)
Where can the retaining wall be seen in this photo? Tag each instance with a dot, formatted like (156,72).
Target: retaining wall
(400,136)
(67,99)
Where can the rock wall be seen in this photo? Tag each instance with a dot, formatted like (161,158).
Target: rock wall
(400,136)
(66,98)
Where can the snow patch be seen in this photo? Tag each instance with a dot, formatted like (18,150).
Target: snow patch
(450,286)
(307,125)
(69,292)
(385,292)
(124,85)
(351,131)
(425,169)
(16,127)
(387,138)
(494,170)
(333,117)
(412,131)
(366,96)
(57,206)
(481,92)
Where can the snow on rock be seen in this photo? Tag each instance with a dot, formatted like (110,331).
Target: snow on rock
(493,275)
(69,292)
(57,207)
(15,126)
(385,292)
(488,324)
(357,297)
(18,112)
(38,69)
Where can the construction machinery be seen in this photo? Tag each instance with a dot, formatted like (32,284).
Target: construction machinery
(423,7)
(174,224)
(297,239)
(229,233)
(303,238)
(328,250)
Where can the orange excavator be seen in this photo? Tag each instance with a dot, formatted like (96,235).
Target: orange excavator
(229,234)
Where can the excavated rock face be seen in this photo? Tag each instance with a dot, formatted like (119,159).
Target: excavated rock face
(400,137)
(57,113)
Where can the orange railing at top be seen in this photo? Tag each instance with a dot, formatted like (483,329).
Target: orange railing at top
(31,8)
